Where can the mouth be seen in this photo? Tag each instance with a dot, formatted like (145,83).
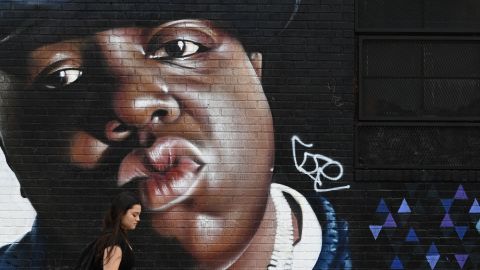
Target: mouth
(166,174)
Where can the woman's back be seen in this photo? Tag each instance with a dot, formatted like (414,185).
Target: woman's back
(128,258)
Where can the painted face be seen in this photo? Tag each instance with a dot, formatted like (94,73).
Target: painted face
(131,218)
(175,111)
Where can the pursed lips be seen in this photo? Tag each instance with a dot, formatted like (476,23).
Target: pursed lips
(167,173)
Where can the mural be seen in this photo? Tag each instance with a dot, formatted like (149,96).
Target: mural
(186,103)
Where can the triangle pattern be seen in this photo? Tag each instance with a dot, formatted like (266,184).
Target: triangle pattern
(390,222)
(375,229)
(446,222)
(461,259)
(411,236)
(396,263)
(447,203)
(475,209)
(404,208)
(460,194)
(382,207)
(461,230)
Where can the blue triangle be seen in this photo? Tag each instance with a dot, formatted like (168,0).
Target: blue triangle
(396,264)
(411,236)
(404,208)
(432,260)
(461,230)
(382,207)
(375,229)
(447,203)
(390,222)
(475,209)
(461,195)
(432,250)
(446,222)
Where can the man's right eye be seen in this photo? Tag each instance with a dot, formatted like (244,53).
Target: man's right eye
(179,48)
(60,78)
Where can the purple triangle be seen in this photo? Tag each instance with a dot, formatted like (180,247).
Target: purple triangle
(461,230)
(375,229)
(461,259)
(382,207)
(432,260)
(447,203)
(475,209)
(446,222)
(390,222)
(404,208)
(461,195)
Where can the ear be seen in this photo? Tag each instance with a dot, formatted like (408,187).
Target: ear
(256,60)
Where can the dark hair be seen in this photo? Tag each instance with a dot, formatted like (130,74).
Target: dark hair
(112,229)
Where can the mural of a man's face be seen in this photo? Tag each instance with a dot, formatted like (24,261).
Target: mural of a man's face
(176,111)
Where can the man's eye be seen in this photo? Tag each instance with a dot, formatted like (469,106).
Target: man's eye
(178,48)
(61,78)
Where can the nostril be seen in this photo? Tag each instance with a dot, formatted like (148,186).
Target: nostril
(116,131)
(158,115)
(121,128)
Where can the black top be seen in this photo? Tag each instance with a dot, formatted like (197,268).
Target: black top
(128,257)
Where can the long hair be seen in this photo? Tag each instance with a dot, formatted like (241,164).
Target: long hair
(112,229)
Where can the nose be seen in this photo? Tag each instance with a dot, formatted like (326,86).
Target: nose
(141,97)
(138,107)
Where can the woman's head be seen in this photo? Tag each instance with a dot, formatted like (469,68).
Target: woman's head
(124,212)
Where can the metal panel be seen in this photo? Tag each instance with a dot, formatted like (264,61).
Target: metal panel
(419,79)
(418,146)
(419,16)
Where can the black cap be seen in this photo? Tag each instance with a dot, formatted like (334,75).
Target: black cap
(44,18)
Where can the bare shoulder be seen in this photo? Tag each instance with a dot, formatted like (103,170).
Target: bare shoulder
(112,256)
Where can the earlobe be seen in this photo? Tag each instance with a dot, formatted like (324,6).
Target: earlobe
(256,60)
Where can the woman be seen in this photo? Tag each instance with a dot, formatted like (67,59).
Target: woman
(113,249)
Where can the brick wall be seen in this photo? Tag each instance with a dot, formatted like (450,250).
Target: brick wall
(98,97)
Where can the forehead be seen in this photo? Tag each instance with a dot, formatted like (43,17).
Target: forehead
(138,32)
(137,208)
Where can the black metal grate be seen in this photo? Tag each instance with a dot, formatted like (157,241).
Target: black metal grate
(417,147)
(419,79)
(418,16)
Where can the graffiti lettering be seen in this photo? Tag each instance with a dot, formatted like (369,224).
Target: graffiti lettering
(321,163)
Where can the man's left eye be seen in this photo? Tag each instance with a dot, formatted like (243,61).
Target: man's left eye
(61,78)
(178,48)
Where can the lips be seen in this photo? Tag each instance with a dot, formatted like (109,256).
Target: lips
(167,173)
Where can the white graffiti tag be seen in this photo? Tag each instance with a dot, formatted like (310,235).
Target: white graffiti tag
(321,163)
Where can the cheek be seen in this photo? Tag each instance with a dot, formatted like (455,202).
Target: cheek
(86,151)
